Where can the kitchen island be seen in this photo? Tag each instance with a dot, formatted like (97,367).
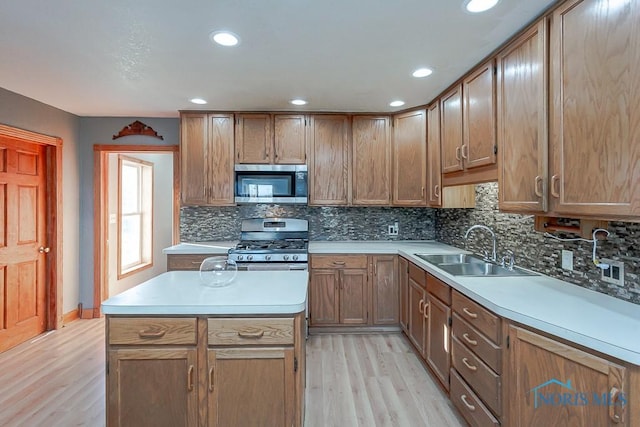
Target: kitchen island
(183,353)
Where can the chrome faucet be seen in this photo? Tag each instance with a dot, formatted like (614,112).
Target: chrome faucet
(493,235)
(511,256)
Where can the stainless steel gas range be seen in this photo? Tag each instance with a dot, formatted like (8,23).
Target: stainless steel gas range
(272,244)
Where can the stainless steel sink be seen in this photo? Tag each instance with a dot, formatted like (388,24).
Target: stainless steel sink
(483,269)
(471,265)
(450,258)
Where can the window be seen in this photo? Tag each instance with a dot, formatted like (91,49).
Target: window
(135,215)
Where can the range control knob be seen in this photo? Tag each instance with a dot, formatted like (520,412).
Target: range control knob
(267,257)
(249,257)
(286,257)
(240,257)
(295,257)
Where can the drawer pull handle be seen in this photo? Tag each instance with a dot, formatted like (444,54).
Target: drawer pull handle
(251,335)
(466,363)
(467,404)
(458,154)
(465,151)
(196,262)
(426,313)
(190,378)
(469,313)
(615,409)
(339,262)
(537,187)
(151,334)
(554,192)
(211,379)
(469,340)
(420,306)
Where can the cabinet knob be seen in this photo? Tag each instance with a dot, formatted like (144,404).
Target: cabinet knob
(44,250)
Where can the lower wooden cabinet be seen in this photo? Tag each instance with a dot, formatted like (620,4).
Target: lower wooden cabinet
(417,308)
(190,262)
(403,283)
(385,289)
(437,352)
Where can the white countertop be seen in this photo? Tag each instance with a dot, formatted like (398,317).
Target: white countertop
(568,311)
(200,248)
(182,293)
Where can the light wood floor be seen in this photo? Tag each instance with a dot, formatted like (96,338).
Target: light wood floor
(57,379)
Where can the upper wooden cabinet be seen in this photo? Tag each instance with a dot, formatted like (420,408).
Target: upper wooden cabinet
(329,160)
(522,122)
(434,157)
(268,139)
(371,160)
(595,109)
(207,159)
(410,159)
(451,130)
(479,117)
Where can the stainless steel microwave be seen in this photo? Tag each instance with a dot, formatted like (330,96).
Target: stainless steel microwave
(284,184)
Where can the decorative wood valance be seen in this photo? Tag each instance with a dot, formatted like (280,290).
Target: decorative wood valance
(138,128)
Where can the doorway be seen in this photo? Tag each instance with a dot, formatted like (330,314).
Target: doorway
(109,278)
(30,235)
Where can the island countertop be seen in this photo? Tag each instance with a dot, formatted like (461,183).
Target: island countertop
(182,293)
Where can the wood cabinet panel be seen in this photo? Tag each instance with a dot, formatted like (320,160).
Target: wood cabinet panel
(329,160)
(152,331)
(220,160)
(484,348)
(469,405)
(371,160)
(479,117)
(251,387)
(434,156)
(338,261)
(185,262)
(403,283)
(418,275)
(595,109)
(166,397)
(451,130)
(253,140)
(353,297)
(439,289)
(384,289)
(542,368)
(417,321)
(250,331)
(289,138)
(438,346)
(522,133)
(479,317)
(410,159)
(323,297)
(193,157)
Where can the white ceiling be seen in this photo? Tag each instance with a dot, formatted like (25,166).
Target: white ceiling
(147,58)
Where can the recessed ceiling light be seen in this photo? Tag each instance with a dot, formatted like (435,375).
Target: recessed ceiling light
(198,101)
(298,102)
(477,6)
(422,72)
(224,38)
(396,103)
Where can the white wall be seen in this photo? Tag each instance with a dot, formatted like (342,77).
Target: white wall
(162,219)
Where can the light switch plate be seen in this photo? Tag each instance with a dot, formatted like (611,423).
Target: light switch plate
(567,259)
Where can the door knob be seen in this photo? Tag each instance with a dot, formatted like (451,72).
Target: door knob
(43,250)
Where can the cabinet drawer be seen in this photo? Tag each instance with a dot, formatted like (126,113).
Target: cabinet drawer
(477,316)
(418,275)
(466,401)
(151,331)
(485,349)
(185,262)
(254,331)
(339,261)
(438,288)
(477,374)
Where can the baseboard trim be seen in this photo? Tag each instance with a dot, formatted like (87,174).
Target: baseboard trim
(87,313)
(70,316)
(353,329)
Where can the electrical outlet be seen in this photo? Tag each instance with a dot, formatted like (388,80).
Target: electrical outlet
(567,260)
(615,273)
(393,229)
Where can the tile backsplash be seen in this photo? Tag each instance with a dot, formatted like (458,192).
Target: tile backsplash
(543,254)
(203,223)
(516,232)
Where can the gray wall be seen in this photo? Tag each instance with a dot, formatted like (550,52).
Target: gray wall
(25,113)
(537,252)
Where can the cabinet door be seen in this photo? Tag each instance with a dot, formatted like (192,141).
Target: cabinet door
(417,300)
(328,164)
(451,130)
(522,122)
(479,117)
(385,290)
(438,355)
(323,297)
(220,161)
(410,159)
(595,55)
(371,148)
(251,387)
(166,397)
(289,139)
(353,297)
(403,282)
(434,156)
(553,384)
(253,138)
(193,159)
